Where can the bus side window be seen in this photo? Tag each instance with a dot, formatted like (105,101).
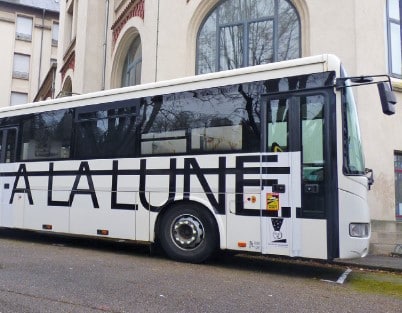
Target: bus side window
(10,145)
(278,126)
(8,138)
(312,119)
(107,130)
(47,135)
(1,146)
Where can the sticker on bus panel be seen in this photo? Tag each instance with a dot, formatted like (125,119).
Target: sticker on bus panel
(273,202)
(278,231)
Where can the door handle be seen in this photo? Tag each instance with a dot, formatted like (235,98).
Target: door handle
(311,188)
(279,188)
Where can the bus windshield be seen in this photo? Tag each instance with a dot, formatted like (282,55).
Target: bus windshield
(353,153)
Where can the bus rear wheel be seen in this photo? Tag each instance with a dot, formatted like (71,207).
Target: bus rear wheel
(188,232)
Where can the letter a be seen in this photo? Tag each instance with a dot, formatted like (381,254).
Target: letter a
(22,171)
(84,170)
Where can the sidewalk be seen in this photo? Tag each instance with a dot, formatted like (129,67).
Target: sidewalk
(377,262)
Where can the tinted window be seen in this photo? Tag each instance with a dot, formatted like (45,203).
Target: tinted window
(8,137)
(106,131)
(46,135)
(223,119)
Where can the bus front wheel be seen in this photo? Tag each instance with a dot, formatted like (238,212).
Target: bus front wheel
(188,232)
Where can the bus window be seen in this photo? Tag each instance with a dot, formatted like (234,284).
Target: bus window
(278,127)
(47,135)
(354,159)
(106,131)
(296,122)
(312,114)
(221,119)
(164,129)
(8,137)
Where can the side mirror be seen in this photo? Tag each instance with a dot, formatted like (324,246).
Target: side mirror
(388,99)
(370,177)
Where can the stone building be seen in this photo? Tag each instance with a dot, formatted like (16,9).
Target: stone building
(114,43)
(29,39)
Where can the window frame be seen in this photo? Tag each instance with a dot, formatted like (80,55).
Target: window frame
(398,171)
(132,62)
(393,21)
(22,35)
(21,74)
(55,34)
(19,94)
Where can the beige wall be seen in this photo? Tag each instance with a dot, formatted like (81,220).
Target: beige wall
(6,56)
(39,48)
(352,29)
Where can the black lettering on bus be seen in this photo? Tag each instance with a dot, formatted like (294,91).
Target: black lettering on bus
(114,205)
(172,184)
(218,205)
(50,200)
(84,170)
(242,182)
(22,171)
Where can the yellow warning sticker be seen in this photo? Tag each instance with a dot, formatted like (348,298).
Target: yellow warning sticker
(272,201)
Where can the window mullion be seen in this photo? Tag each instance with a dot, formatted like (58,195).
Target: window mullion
(275,44)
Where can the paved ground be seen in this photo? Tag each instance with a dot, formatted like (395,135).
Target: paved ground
(41,273)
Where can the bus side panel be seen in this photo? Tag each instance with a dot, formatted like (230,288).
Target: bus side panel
(11,214)
(243,232)
(39,213)
(352,209)
(313,238)
(91,211)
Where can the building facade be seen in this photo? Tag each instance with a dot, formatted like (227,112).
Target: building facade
(29,32)
(114,43)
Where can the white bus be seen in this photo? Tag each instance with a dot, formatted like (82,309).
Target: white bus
(264,159)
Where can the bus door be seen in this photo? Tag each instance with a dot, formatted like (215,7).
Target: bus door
(11,215)
(298,219)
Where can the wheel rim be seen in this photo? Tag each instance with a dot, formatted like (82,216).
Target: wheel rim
(187,232)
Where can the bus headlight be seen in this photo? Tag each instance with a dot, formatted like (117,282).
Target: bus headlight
(361,230)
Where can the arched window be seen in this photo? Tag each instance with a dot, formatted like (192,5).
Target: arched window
(67,89)
(240,33)
(131,74)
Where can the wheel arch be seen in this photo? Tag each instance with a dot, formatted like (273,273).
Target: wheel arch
(220,220)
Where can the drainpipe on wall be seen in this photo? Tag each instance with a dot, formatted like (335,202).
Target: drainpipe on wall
(105,44)
(41,47)
(53,89)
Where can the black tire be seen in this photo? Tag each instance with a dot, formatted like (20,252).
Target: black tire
(188,232)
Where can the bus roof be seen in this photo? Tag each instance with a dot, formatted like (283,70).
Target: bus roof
(313,64)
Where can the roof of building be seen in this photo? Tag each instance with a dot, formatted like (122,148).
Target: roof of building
(50,5)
